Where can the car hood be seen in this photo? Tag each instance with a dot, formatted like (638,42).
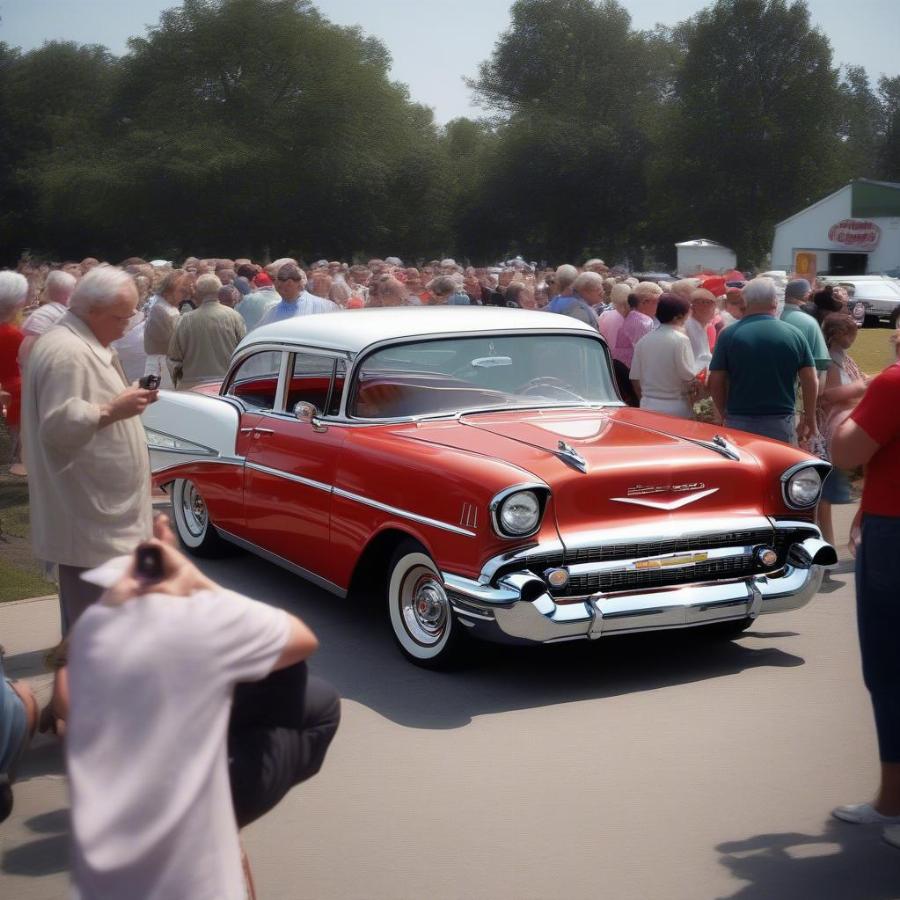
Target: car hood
(630,465)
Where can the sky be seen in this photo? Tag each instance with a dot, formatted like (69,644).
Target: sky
(435,44)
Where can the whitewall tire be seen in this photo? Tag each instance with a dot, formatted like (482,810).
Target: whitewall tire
(419,609)
(192,523)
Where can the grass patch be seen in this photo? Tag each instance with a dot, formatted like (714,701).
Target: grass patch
(14,516)
(19,584)
(872,351)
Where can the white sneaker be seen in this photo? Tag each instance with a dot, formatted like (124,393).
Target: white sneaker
(891,835)
(863,814)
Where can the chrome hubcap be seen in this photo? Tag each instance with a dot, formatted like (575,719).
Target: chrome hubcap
(194,510)
(424,605)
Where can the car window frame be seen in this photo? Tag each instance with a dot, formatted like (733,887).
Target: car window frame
(236,364)
(287,371)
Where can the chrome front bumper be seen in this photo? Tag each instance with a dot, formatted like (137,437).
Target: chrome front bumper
(521,609)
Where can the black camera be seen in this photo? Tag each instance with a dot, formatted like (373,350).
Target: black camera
(149,382)
(148,562)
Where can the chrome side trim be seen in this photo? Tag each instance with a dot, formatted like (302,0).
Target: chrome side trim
(217,460)
(317,580)
(404,514)
(288,476)
(365,501)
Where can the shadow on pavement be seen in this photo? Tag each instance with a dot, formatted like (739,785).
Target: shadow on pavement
(357,655)
(44,855)
(845,862)
(44,757)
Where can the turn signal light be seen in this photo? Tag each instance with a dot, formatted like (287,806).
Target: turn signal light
(766,557)
(556,578)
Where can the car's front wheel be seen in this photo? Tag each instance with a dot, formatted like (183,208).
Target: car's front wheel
(192,522)
(419,609)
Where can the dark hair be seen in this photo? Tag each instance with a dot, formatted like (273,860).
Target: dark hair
(670,307)
(247,271)
(825,303)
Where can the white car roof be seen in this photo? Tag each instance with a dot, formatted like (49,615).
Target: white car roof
(354,330)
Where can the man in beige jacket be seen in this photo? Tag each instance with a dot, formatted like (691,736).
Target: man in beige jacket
(89,471)
(205,338)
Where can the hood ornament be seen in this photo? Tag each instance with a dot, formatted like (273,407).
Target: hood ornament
(571,456)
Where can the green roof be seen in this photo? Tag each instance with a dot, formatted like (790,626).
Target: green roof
(875,199)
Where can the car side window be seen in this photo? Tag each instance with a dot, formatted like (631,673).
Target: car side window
(255,382)
(337,388)
(310,381)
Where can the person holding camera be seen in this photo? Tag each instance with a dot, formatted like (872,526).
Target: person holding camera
(163,766)
(89,471)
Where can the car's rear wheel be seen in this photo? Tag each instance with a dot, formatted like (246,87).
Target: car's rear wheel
(192,523)
(870,322)
(419,609)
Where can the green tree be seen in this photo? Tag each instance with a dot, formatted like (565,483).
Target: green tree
(573,89)
(233,126)
(754,131)
(861,128)
(889,151)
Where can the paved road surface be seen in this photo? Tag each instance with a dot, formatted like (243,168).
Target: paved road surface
(666,767)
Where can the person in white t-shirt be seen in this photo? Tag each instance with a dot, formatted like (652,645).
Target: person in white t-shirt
(152,668)
(663,369)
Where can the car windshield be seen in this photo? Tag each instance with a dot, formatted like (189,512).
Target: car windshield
(440,377)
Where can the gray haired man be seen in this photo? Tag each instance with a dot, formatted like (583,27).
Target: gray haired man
(84,445)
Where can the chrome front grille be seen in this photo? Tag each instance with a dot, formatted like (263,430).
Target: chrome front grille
(672,545)
(715,570)
(612,579)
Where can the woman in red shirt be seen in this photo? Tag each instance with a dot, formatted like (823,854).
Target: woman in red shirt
(13,292)
(871,437)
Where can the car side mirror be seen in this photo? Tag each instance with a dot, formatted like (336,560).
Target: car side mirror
(305,411)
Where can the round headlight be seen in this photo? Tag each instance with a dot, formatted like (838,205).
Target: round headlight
(519,513)
(804,487)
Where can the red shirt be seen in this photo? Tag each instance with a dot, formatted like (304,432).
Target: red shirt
(10,339)
(878,414)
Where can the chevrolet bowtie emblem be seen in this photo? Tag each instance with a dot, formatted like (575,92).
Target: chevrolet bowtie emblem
(638,496)
(668,562)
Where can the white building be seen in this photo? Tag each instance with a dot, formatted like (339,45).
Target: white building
(703,255)
(854,231)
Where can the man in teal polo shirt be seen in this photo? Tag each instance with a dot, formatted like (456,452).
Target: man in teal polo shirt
(795,293)
(755,367)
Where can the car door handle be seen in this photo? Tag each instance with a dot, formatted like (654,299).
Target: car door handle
(264,431)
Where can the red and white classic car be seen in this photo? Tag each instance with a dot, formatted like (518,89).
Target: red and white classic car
(478,466)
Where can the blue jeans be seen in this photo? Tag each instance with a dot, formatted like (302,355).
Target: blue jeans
(878,621)
(781,428)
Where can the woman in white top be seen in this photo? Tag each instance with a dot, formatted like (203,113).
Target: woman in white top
(663,369)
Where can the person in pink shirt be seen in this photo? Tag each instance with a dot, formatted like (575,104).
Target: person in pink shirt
(639,321)
(611,321)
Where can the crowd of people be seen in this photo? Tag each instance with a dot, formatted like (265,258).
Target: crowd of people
(764,355)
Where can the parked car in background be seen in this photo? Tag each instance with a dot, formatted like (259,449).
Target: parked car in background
(879,295)
(476,469)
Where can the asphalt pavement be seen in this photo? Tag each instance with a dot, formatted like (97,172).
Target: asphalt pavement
(662,767)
